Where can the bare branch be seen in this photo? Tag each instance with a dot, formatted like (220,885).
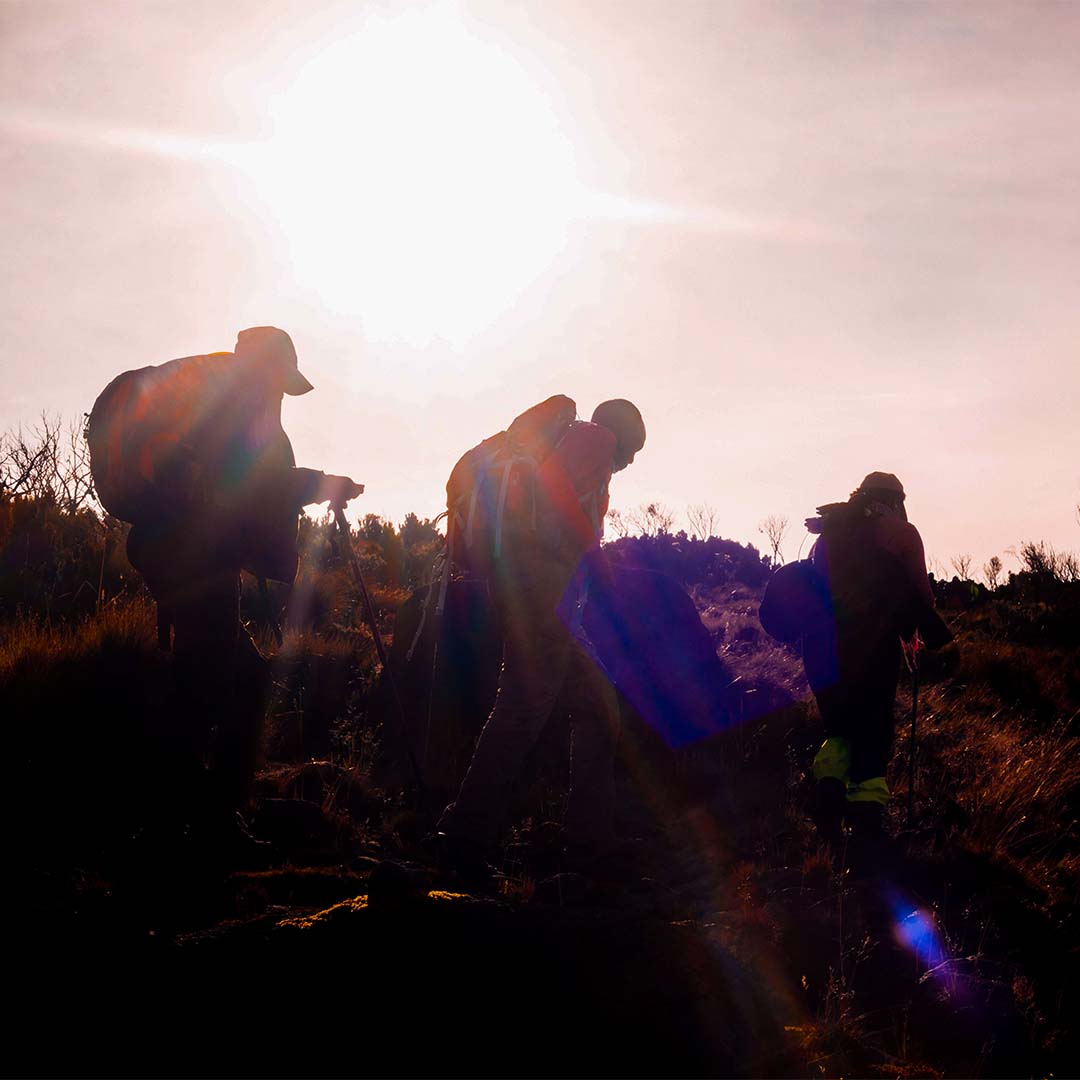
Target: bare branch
(49,463)
(775,528)
(992,572)
(615,521)
(962,565)
(703,519)
(651,519)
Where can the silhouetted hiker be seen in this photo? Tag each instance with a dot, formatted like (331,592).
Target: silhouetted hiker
(193,454)
(529,517)
(871,561)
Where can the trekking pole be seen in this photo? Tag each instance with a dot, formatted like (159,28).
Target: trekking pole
(913,664)
(380,649)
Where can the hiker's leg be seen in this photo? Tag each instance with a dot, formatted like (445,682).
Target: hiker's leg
(832,763)
(868,790)
(831,769)
(594,715)
(874,702)
(148,550)
(239,736)
(205,645)
(535,656)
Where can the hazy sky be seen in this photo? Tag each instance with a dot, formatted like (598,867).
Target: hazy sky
(809,240)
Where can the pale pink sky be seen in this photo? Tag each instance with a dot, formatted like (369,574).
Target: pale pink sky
(810,240)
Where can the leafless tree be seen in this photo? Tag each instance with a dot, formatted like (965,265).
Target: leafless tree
(962,565)
(50,462)
(992,572)
(616,524)
(651,519)
(27,461)
(775,528)
(702,518)
(74,483)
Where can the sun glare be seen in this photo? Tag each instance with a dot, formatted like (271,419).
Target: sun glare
(419,178)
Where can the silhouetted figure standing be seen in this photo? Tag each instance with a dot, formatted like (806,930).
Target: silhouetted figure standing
(872,562)
(193,454)
(537,582)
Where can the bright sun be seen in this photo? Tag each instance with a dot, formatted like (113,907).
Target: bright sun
(419,178)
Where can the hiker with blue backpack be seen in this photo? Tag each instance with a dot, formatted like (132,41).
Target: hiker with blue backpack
(526,512)
(860,595)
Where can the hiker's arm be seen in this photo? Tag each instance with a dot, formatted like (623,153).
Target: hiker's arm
(902,540)
(313,486)
(906,544)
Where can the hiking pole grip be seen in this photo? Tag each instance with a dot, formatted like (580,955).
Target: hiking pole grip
(380,648)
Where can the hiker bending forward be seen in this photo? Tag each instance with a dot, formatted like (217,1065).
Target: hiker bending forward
(538,583)
(871,559)
(193,454)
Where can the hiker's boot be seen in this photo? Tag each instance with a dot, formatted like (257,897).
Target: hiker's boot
(828,804)
(867,852)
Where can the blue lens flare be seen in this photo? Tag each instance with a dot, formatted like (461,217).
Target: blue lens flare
(915,929)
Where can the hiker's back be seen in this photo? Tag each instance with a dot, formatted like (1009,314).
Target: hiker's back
(187,449)
(869,592)
(491,492)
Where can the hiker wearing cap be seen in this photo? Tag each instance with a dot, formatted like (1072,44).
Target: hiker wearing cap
(193,453)
(871,561)
(548,553)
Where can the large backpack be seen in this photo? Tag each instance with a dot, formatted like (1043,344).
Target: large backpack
(141,432)
(492,491)
(492,488)
(156,435)
(796,602)
(869,594)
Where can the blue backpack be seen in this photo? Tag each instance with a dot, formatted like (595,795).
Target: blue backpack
(796,602)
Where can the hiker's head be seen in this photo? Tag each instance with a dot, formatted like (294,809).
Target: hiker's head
(623,420)
(884,488)
(272,357)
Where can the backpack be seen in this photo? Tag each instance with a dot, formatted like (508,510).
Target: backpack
(155,436)
(869,593)
(140,434)
(796,602)
(493,486)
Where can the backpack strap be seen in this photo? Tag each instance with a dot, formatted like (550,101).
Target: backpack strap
(471,517)
(504,487)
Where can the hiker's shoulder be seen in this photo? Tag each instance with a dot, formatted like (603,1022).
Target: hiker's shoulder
(897,535)
(587,442)
(900,540)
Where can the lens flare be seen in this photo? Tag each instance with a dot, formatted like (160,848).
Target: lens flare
(916,930)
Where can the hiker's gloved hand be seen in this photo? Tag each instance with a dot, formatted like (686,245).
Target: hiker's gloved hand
(339,490)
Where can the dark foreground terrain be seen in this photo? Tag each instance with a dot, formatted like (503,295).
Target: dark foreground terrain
(723,942)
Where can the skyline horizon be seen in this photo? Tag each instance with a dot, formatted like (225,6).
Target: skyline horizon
(808,246)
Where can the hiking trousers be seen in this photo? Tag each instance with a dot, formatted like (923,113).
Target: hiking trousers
(542,663)
(221,678)
(854,682)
